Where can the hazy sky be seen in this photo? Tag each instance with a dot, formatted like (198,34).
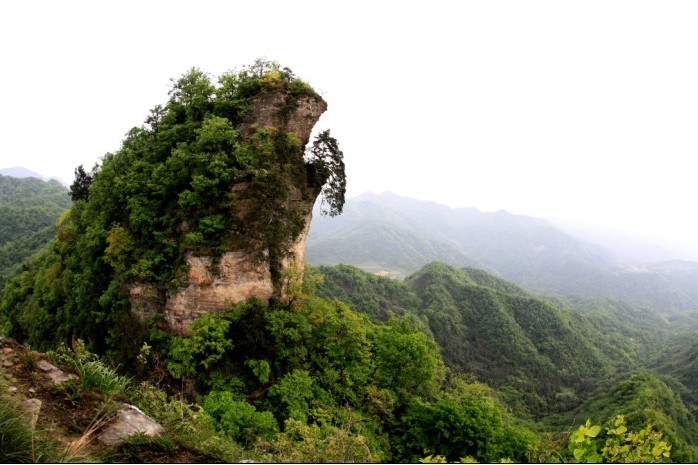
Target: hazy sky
(584,110)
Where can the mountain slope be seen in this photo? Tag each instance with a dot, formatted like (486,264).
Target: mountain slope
(22,172)
(29,210)
(539,354)
(644,399)
(379,239)
(386,233)
(513,245)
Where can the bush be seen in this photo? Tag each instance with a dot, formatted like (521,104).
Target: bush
(617,445)
(187,424)
(301,443)
(203,349)
(238,419)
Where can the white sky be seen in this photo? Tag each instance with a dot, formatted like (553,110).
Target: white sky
(575,109)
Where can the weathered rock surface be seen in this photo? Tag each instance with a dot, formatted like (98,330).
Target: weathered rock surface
(54,374)
(280,110)
(239,275)
(236,279)
(129,421)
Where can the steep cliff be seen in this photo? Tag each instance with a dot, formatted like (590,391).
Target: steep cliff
(207,204)
(237,275)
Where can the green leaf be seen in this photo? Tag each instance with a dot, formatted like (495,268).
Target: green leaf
(594,431)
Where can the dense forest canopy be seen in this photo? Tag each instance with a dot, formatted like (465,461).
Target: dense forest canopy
(29,210)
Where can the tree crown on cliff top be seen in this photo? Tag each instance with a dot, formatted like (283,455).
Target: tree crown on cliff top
(183,181)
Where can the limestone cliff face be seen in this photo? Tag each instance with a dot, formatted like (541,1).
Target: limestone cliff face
(281,110)
(239,275)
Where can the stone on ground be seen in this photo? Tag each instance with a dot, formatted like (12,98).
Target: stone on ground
(129,421)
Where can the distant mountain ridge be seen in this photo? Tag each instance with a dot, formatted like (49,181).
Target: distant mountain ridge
(395,236)
(22,172)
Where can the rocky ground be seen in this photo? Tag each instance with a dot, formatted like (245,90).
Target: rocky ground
(83,422)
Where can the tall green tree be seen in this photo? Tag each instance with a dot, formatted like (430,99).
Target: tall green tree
(80,189)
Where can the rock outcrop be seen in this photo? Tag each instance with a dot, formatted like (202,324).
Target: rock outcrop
(56,375)
(281,110)
(129,421)
(239,275)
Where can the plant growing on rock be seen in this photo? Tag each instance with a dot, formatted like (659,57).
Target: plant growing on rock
(198,177)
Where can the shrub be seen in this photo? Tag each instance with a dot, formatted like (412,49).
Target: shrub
(238,419)
(187,424)
(301,443)
(203,349)
(617,445)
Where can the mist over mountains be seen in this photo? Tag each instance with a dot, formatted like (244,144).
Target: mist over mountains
(395,236)
(22,172)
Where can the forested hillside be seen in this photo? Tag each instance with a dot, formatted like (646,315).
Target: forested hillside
(542,353)
(561,361)
(643,399)
(386,233)
(29,211)
(331,364)
(297,378)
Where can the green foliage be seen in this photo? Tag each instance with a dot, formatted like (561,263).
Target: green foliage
(377,297)
(326,168)
(407,361)
(260,368)
(188,425)
(16,441)
(677,362)
(93,372)
(583,443)
(465,421)
(22,442)
(301,443)
(539,354)
(29,210)
(139,447)
(644,399)
(169,190)
(80,189)
(238,419)
(203,349)
(292,394)
(617,445)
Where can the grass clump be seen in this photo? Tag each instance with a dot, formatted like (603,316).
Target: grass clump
(94,373)
(16,438)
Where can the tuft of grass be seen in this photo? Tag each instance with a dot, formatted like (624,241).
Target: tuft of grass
(95,374)
(20,441)
(16,438)
(76,451)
